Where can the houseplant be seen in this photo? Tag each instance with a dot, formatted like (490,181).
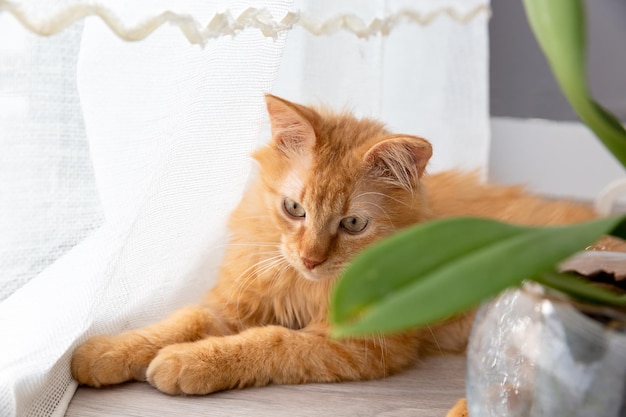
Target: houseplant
(403,289)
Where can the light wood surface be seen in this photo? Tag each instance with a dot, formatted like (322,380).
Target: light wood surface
(430,389)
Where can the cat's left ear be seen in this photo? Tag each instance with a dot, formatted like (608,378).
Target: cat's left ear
(291,131)
(399,159)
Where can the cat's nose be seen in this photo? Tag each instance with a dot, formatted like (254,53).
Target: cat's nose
(311,263)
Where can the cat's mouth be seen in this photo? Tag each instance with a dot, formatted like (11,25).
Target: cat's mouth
(319,273)
(310,275)
(315,274)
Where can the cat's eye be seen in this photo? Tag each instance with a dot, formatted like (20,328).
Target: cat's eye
(293,208)
(353,224)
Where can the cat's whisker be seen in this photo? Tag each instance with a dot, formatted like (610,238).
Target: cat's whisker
(381,343)
(276,277)
(354,198)
(263,253)
(248,273)
(254,272)
(366,343)
(215,248)
(265,259)
(369,203)
(268,267)
(254,269)
(261,268)
(434,338)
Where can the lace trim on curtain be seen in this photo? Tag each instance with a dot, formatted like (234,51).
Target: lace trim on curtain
(224,24)
(352,23)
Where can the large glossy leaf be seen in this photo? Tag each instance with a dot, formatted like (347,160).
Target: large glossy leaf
(559,26)
(437,269)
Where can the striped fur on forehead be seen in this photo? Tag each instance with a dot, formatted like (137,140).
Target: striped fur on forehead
(343,133)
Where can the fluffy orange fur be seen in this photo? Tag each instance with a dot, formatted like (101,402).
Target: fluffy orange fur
(328,186)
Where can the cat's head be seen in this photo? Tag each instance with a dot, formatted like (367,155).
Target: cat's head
(334,184)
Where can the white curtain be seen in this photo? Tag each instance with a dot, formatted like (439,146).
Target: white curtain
(418,65)
(125,136)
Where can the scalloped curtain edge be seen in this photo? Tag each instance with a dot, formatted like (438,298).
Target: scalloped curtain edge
(224,24)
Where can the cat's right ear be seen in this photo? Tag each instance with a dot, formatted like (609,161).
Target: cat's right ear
(399,159)
(291,131)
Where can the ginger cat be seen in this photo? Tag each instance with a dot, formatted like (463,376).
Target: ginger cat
(329,185)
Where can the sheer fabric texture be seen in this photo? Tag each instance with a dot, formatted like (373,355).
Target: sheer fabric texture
(125,137)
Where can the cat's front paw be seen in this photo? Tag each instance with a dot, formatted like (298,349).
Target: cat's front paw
(187,368)
(106,360)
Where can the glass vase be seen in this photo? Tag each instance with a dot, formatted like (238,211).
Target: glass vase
(534,354)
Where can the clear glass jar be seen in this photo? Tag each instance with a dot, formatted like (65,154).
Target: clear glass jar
(532,355)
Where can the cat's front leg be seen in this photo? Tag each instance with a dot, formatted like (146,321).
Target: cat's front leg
(275,354)
(105,360)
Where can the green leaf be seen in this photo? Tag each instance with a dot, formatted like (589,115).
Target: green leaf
(559,26)
(434,270)
(580,289)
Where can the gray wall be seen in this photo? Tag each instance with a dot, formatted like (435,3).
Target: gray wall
(521,84)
